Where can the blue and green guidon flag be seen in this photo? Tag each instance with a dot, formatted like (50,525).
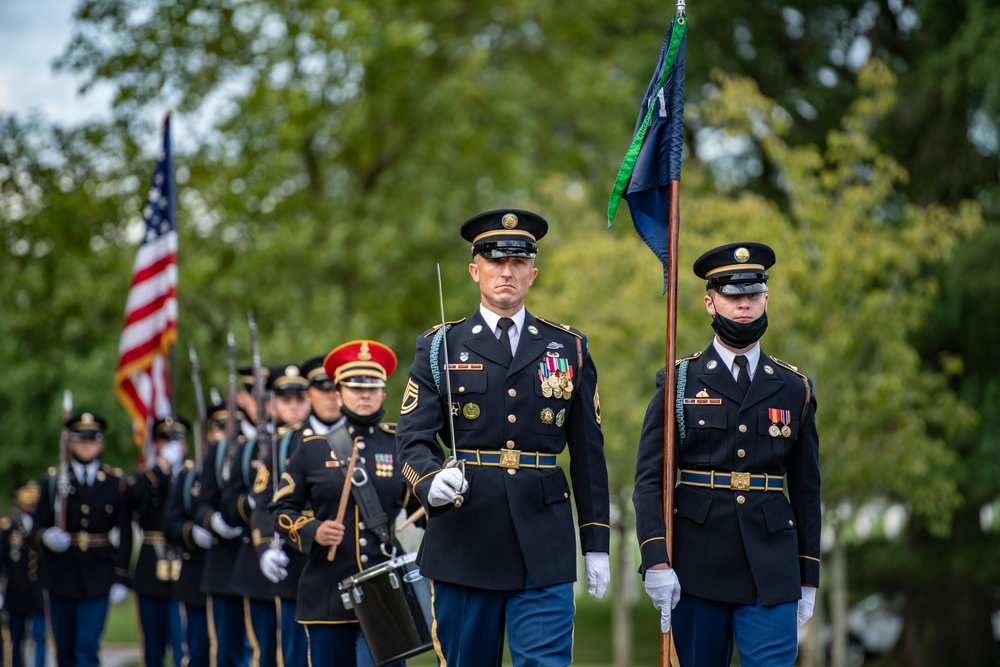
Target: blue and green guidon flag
(654,158)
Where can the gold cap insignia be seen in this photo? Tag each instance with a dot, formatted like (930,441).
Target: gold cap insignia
(509,221)
(364,354)
(741,254)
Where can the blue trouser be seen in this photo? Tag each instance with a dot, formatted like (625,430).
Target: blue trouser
(77,626)
(197,647)
(227,631)
(161,625)
(17,623)
(294,645)
(469,625)
(339,645)
(704,630)
(262,629)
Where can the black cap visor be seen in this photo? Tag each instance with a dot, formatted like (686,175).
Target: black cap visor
(497,248)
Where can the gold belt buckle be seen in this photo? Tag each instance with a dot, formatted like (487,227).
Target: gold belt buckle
(83,540)
(739,481)
(510,458)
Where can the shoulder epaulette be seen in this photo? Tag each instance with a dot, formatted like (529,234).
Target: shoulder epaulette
(388,427)
(562,327)
(788,366)
(313,438)
(433,330)
(117,472)
(690,357)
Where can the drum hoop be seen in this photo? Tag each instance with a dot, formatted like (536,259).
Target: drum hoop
(378,570)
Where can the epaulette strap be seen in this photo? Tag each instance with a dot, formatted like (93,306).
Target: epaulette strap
(314,436)
(388,427)
(690,357)
(682,378)
(433,330)
(436,346)
(562,327)
(805,381)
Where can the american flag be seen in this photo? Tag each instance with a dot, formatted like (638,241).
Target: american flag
(150,328)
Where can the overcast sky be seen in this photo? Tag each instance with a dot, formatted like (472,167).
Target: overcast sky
(32,34)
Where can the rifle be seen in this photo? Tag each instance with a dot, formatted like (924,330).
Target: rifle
(265,434)
(199,399)
(231,435)
(62,479)
(275,537)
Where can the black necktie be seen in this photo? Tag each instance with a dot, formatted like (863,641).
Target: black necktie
(742,376)
(505,324)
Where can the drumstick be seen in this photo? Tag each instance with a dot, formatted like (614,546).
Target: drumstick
(344,493)
(413,518)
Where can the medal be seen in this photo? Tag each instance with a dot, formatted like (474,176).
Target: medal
(471,411)
(547,416)
(561,418)
(786,431)
(774,430)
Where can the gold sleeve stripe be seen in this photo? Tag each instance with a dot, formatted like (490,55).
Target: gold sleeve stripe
(594,523)
(652,539)
(287,487)
(410,398)
(597,405)
(430,474)
(260,483)
(809,558)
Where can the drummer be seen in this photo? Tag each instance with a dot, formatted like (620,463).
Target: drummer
(359,532)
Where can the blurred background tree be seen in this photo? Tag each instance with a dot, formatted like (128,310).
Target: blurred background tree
(326,155)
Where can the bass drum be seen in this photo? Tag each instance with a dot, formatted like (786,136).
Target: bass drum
(393,604)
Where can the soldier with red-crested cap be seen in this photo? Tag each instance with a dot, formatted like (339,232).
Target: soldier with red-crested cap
(314,479)
(746,555)
(524,389)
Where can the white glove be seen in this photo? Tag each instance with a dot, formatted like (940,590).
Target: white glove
(223,529)
(664,590)
(273,564)
(201,537)
(447,484)
(173,453)
(118,593)
(598,573)
(56,539)
(251,502)
(806,604)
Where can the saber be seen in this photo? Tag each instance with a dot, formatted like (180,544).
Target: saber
(199,400)
(451,461)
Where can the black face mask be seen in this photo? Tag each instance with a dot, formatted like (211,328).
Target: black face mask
(371,420)
(739,334)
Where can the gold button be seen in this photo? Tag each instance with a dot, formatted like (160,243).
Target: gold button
(85,509)
(741,453)
(512,392)
(743,428)
(565,495)
(701,422)
(511,471)
(109,509)
(364,558)
(741,499)
(510,444)
(461,390)
(675,510)
(512,418)
(791,523)
(362,541)
(84,522)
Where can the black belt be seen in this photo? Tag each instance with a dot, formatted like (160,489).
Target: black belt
(506,458)
(737,481)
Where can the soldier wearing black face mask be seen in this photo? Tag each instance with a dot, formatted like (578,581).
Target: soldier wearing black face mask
(746,556)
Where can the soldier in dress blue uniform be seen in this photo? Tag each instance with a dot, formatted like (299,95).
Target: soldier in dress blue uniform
(20,564)
(284,565)
(158,564)
(88,561)
(307,500)
(194,541)
(522,389)
(291,407)
(224,606)
(746,555)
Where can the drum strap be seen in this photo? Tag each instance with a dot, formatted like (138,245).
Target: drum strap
(363,491)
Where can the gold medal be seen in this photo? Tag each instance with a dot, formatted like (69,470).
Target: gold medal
(563,381)
(774,431)
(569,386)
(548,416)
(557,392)
(546,390)
(553,381)
(786,431)
(471,411)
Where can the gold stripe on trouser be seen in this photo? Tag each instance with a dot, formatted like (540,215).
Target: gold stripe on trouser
(186,658)
(277,630)
(213,641)
(434,625)
(309,650)
(254,644)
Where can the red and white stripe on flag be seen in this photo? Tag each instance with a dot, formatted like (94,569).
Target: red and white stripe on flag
(142,381)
